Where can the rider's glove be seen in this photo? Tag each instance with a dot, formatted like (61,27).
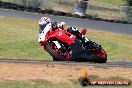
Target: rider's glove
(61,24)
(54,26)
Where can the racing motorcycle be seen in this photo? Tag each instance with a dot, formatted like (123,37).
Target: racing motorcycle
(73,49)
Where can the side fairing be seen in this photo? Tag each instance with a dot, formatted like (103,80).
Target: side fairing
(63,36)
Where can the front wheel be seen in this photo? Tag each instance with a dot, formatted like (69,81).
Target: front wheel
(57,54)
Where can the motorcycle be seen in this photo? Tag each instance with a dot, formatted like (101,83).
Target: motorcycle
(72,48)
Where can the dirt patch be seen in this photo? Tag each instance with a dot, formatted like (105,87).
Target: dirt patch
(56,73)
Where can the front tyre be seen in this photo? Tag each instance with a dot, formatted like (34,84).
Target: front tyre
(57,54)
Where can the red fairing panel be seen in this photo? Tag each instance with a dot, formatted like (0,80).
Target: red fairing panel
(63,36)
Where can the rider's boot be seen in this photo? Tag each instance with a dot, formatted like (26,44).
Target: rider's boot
(74,31)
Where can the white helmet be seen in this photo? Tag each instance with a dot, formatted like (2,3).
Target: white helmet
(44,20)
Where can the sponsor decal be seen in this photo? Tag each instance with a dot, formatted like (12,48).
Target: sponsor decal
(85,81)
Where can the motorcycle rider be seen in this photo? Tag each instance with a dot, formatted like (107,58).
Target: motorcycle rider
(79,34)
(45,24)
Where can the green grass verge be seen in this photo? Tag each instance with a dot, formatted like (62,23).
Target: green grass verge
(117,46)
(44,84)
(18,39)
(115,2)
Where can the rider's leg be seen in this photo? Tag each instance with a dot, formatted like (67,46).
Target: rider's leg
(74,31)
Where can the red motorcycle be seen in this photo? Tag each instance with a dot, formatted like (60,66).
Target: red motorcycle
(73,48)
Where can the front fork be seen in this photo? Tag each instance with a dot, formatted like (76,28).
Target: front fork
(57,44)
(61,47)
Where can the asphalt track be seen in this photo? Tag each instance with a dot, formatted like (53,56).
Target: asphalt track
(126,64)
(91,24)
(97,25)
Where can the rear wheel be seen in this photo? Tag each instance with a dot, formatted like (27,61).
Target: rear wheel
(57,54)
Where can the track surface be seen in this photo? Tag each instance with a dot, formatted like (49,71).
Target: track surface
(108,64)
(98,25)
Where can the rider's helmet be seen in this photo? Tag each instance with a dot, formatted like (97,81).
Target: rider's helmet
(43,22)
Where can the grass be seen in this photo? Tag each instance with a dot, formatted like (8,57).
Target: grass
(41,83)
(101,1)
(95,9)
(117,46)
(18,39)
(44,84)
(115,2)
